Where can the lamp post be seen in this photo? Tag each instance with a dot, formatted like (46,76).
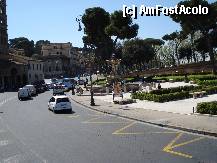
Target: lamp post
(89,65)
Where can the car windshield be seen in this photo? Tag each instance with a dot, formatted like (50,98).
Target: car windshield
(59,100)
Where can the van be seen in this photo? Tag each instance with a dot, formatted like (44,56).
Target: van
(23,93)
(32,89)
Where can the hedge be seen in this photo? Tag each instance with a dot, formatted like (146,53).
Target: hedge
(161,98)
(172,96)
(190,77)
(176,89)
(207,108)
(207,83)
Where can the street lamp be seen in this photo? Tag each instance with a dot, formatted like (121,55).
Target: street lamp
(89,66)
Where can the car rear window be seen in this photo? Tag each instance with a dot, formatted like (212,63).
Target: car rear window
(59,100)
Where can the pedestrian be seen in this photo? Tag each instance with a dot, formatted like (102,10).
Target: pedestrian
(85,84)
(73,89)
(159,86)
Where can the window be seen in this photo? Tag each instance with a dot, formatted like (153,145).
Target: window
(59,100)
(30,76)
(37,66)
(29,67)
(33,66)
(40,66)
(57,52)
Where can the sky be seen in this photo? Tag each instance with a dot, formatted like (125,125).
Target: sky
(54,20)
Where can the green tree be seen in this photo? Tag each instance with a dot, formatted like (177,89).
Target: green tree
(39,44)
(137,52)
(203,23)
(121,27)
(95,21)
(185,52)
(157,45)
(23,43)
(176,38)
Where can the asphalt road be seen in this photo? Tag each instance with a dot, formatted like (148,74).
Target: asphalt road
(29,133)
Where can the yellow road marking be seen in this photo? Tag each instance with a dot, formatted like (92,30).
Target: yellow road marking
(187,142)
(120,131)
(93,121)
(73,116)
(172,145)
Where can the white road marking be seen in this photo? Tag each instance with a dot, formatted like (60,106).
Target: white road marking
(7,100)
(12,159)
(4,142)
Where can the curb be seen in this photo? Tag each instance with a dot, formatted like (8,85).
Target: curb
(201,132)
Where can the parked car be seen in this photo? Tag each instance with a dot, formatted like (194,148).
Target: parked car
(39,89)
(58,89)
(59,103)
(23,93)
(32,89)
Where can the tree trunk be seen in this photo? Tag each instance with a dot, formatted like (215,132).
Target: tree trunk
(177,56)
(192,48)
(211,54)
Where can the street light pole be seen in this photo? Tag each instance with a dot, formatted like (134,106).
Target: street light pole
(92,103)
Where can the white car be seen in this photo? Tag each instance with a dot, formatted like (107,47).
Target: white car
(58,90)
(23,93)
(59,103)
(32,89)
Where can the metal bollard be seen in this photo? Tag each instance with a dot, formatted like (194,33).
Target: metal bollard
(193,110)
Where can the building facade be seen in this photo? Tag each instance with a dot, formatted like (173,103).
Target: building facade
(34,68)
(77,61)
(56,49)
(56,57)
(13,74)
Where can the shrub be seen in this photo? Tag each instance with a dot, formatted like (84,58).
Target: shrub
(207,82)
(175,89)
(190,77)
(161,98)
(175,78)
(202,77)
(207,108)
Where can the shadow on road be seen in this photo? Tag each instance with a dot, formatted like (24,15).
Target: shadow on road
(65,112)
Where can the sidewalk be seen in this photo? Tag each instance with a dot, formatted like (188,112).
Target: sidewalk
(200,124)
